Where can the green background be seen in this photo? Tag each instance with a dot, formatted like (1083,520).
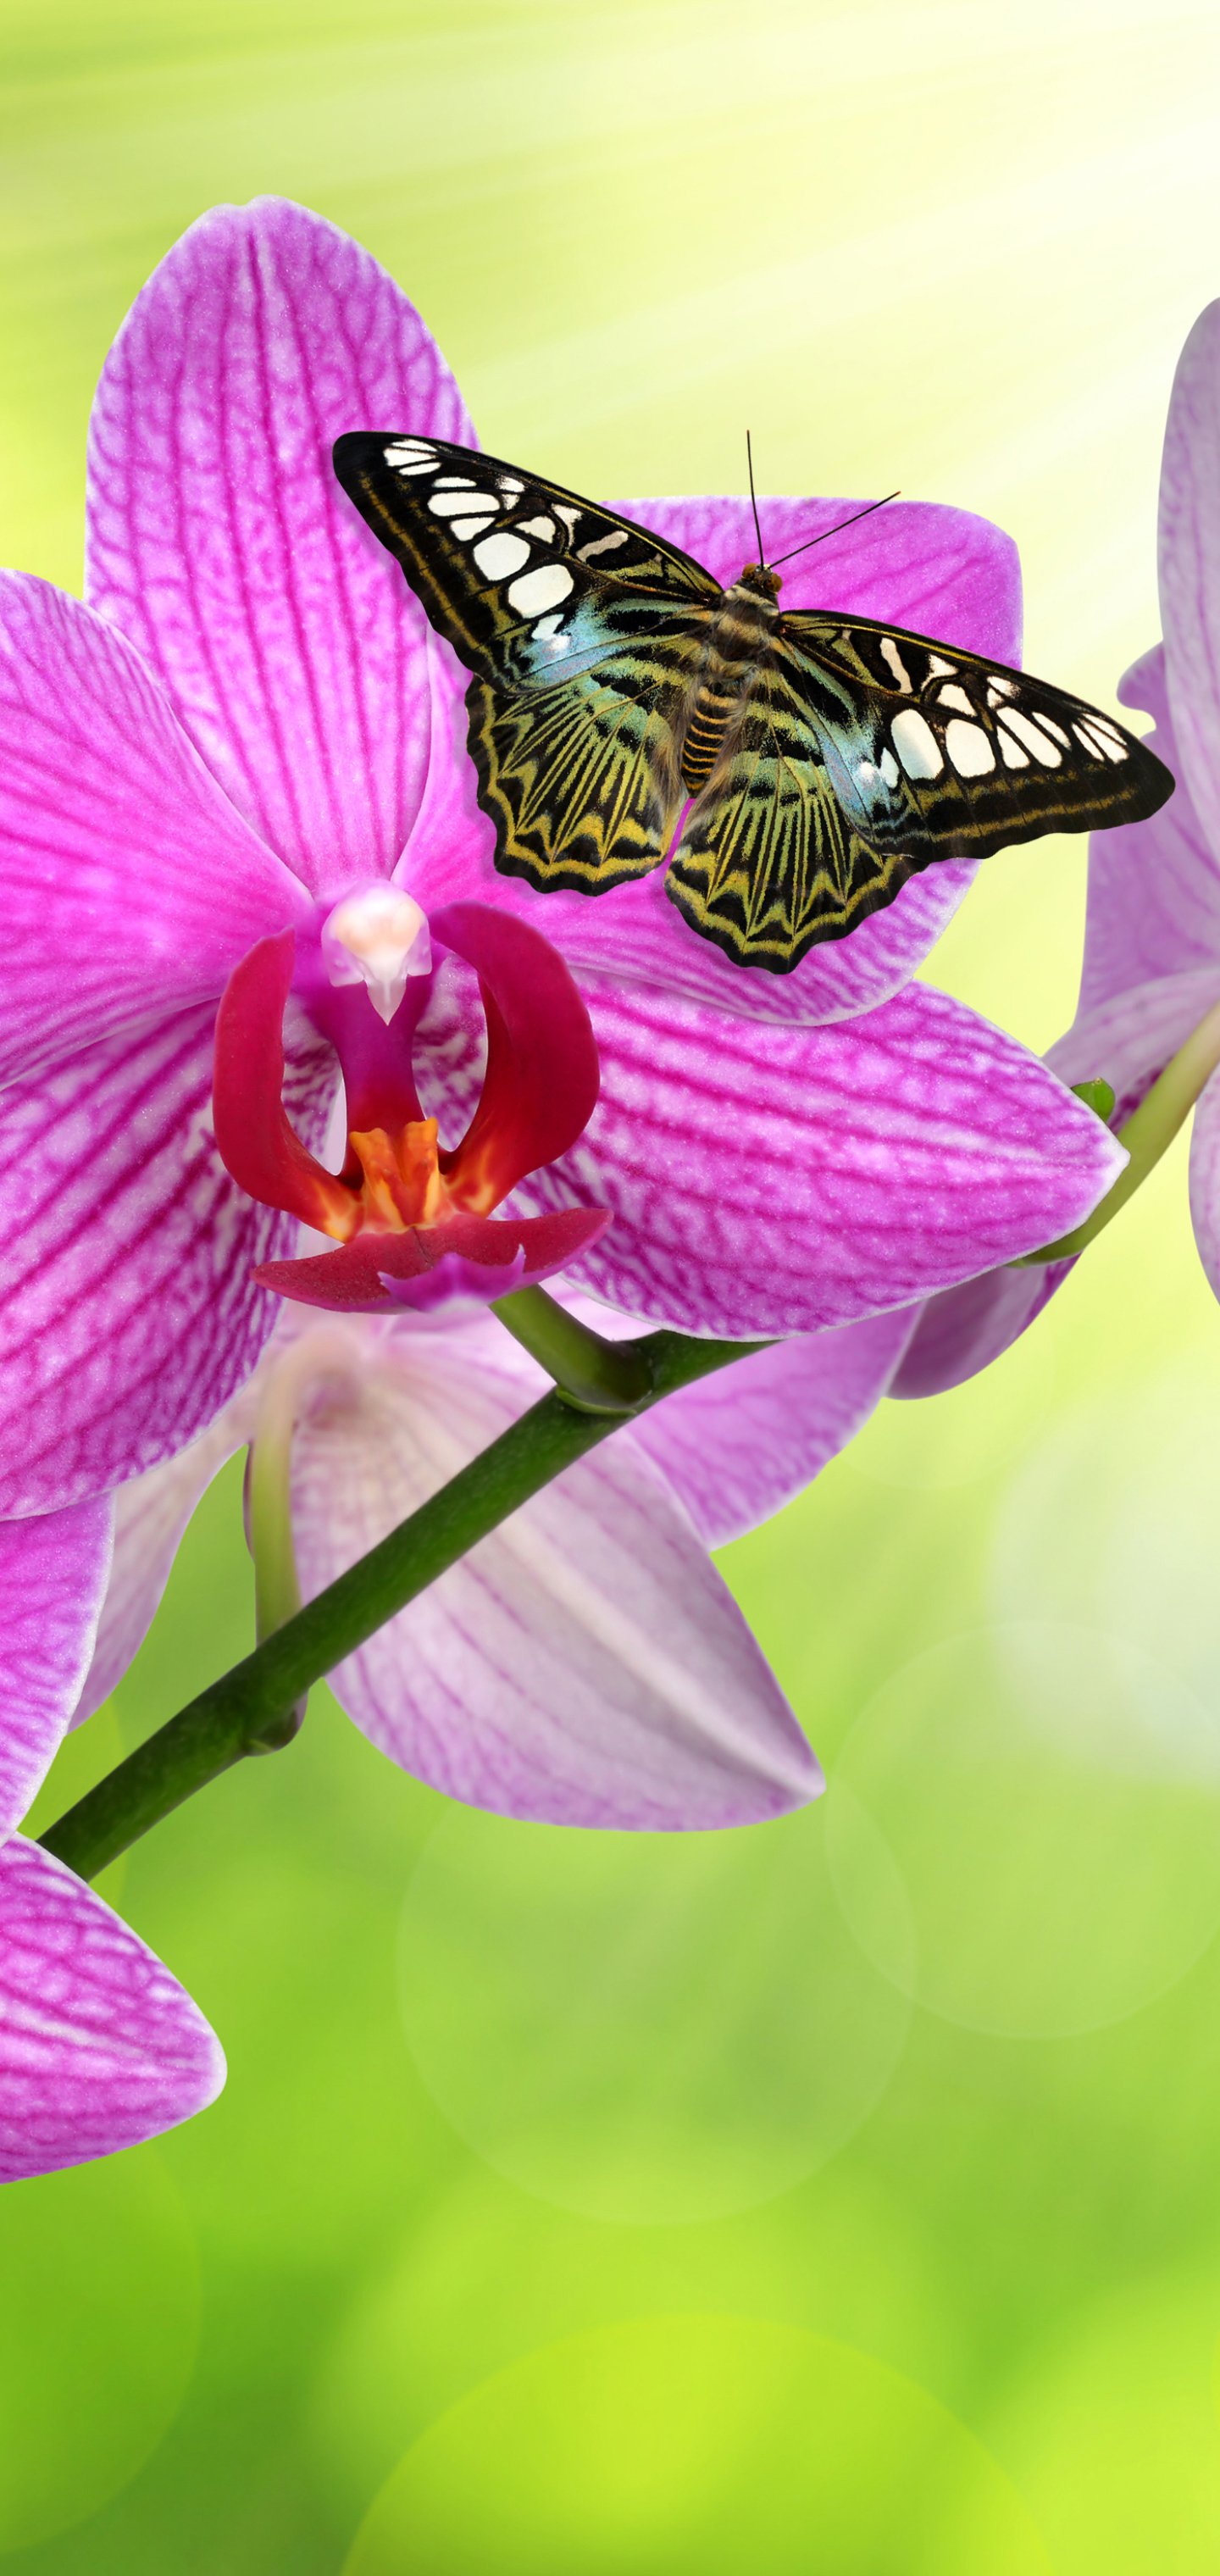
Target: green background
(840,2196)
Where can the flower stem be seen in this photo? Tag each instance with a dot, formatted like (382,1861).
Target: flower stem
(1147,1133)
(594,1374)
(240,1713)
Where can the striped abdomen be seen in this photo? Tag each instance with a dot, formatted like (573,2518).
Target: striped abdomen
(739,642)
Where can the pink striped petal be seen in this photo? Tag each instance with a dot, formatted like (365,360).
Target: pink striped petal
(1126,1040)
(1189,557)
(129,885)
(633,932)
(53,1573)
(1154,887)
(129,1315)
(219,540)
(1205,1182)
(739,1445)
(584,1665)
(150,1516)
(99,2046)
(769,1180)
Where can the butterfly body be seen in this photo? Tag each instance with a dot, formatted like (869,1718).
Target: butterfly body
(795,768)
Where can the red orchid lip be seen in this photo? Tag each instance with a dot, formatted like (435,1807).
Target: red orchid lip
(398,1187)
(377,1272)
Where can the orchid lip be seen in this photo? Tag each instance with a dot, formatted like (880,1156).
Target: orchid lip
(397,1179)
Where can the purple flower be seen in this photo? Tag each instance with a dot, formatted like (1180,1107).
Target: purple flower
(99,2046)
(237,737)
(1152,943)
(585,1665)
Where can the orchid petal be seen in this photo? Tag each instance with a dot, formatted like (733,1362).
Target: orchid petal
(921,565)
(129,1315)
(584,1665)
(769,1180)
(53,1573)
(1126,1041)
(1189,560)
(219,539)
(150,1515)
(99,2046)
(1205,1181)
(128,883)
(739,1445)
(1154,887)
(633,932)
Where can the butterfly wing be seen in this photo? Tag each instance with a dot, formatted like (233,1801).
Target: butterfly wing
(584,634)
(864,754)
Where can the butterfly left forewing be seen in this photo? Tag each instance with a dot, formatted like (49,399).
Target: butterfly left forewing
(528,582)
(943,754)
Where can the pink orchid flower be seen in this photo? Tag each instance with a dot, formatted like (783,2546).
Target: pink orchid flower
(99,2046)
(235,738)
(1152,944)
(585,1664)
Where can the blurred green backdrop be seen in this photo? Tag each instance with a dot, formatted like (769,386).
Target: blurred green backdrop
(839,2197)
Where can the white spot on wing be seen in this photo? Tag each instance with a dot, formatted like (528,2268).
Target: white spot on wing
(501,554)
(548,626)
(968,749)
(603,545)
(545,587)
(889,767)
(456,505)
(938,667)
(999,686)
(421,465)
(1010,752)
(916,745)
(469,527)
(401,450)
(544,528)
(569,516)
(1032,736)
(891,654)
(952,696)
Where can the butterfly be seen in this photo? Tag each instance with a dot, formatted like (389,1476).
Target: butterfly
(822,760)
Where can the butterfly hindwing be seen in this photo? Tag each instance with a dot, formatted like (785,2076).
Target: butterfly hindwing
(583,782)
(863,754)
(768,863)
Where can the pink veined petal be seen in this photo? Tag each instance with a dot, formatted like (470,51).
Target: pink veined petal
(1189,559)
(1205,1182)
(1125,1040)
(739,1445)
(1154,887)
(219,540)
(53,1573)
(150,1516)
(769,1180)
(584,1665)
(633,932)
(129,885)
(99,2046)
(935,570)
(128,1313)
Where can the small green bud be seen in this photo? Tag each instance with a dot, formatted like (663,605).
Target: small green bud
(1096,1096)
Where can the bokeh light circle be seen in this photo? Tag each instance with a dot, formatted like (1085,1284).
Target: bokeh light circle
(99,2292)
(651,2027)
(697,2446)
(1061,1873)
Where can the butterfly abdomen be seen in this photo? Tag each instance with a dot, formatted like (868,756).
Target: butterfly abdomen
(739,641)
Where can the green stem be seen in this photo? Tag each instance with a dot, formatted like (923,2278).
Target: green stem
(277,1591)
(597,1375)
(1146,1134)
(239,1713)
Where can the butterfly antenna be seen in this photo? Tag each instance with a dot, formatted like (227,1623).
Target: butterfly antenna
(857,515)
(754,505)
